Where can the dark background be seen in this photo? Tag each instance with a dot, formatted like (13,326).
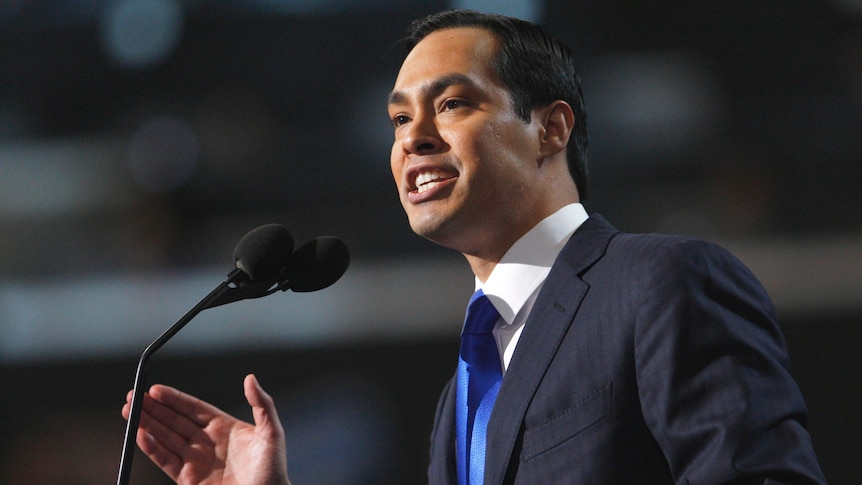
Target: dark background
(140,139)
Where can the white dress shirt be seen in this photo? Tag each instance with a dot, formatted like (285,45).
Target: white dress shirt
(516,280)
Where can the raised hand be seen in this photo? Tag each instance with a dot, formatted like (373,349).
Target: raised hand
(196,443)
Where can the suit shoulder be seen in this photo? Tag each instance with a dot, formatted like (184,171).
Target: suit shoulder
(643,254)
(667,247)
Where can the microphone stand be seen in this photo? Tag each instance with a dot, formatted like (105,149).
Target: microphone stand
(225,292)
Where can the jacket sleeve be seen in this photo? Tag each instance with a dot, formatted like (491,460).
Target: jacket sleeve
(713,372)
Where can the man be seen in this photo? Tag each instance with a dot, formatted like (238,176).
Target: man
(625,358)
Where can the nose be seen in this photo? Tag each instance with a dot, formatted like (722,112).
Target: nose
(422,137)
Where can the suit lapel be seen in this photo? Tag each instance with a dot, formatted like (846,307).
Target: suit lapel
(546,326)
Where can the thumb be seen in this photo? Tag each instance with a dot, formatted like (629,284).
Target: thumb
(262,407)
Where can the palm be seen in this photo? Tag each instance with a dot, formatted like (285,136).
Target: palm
(227,452)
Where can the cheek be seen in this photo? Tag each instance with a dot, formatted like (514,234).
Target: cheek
(394,165)
(499,138)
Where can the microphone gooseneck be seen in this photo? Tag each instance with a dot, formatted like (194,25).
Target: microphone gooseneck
(265,263)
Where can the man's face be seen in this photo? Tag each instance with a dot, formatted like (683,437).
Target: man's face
(461,157)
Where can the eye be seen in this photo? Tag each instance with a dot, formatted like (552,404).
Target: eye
(399,120)
(451,104)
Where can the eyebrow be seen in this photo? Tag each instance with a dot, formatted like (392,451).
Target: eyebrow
(434,88)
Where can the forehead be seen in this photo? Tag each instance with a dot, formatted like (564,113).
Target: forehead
(463,51)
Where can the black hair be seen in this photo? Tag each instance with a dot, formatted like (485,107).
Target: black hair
(535,67)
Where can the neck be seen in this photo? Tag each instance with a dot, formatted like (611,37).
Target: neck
(482,268)
(483,262)
(558,191)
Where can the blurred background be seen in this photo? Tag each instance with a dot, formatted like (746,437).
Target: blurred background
(141,139)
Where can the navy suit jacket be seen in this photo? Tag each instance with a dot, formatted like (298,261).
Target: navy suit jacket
(647,359)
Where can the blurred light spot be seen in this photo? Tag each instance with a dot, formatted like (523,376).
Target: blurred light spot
(523,9)
(140,33)
(651,103)
(163,154)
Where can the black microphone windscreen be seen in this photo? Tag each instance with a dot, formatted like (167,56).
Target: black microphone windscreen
(317,264)
(264,251)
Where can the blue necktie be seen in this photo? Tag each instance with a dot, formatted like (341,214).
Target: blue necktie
(478,381)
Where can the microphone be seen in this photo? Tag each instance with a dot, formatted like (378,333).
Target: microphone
(260,257)
(316,265)
(263,252)
(265,263)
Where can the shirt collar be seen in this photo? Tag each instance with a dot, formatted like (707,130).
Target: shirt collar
(527,263)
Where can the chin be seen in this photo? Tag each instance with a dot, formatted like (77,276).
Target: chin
(429,227)
(425,230)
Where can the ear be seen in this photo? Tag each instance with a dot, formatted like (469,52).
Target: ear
(557,121)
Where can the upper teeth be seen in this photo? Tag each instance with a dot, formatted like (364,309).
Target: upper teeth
(425,180)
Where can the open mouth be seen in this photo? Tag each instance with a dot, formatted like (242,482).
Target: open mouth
(428,180)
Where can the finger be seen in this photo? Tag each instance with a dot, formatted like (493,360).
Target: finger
(127,405)
(161,444)
(152,410)
(176,410)
(172,432)
(194,409)
(164,458)
(263,408)
(184,427)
